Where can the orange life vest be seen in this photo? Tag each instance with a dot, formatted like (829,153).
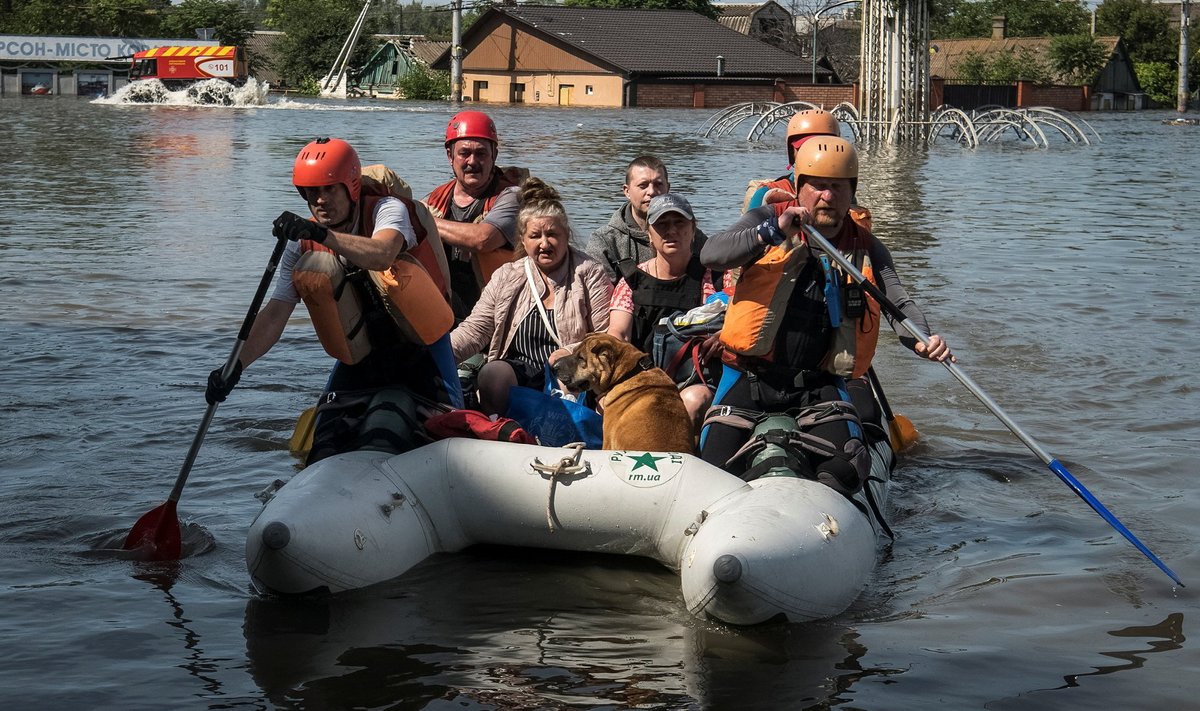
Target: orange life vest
(416,301)
(484,263)
(756,311)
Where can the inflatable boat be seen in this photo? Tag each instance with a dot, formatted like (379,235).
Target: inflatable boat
(779,546)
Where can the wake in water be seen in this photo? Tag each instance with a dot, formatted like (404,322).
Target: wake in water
(210,92)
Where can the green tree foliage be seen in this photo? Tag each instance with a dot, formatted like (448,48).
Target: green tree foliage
(315,31)
(1002,68)
(97,18)
(1077,57)
(424,84)
(415,19)
(1024,18)
(1144,27)
(704,7)
(1158,79)
(227,17)
(1017,66)
(973,68)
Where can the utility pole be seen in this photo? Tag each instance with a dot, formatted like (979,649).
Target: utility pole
(456,78)
(1182,94)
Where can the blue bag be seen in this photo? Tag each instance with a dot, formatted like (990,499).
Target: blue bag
(553,420)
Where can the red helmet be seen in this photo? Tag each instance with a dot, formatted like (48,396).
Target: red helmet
(471,124)
(328,161)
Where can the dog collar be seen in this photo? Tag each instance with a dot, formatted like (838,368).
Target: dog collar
(643,364)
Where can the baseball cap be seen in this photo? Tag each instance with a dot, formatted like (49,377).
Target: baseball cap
(668,202)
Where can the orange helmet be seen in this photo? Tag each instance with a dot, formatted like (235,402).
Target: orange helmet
(328,161)
(826,157)
(810,122)
(471,124)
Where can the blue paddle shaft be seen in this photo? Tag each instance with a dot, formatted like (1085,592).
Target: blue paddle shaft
(816,239)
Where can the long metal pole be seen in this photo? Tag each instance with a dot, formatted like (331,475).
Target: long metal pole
(456,77)
(1181,93)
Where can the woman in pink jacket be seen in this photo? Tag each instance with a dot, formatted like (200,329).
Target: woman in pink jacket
(547,300)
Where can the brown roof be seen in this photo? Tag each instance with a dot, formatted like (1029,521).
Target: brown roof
(736,17)
(946,54)
(636,42)
(428,51)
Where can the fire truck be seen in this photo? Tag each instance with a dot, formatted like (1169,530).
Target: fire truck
(177,67)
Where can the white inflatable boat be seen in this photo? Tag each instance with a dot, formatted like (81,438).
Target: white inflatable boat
(746,552)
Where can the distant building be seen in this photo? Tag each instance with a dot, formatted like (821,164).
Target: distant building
(72,66)
(769,22)
(607,57)
(392,60)
(1115,86)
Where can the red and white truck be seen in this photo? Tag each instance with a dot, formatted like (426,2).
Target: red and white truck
(177,67)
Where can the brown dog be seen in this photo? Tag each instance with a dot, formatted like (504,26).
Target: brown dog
(642,407)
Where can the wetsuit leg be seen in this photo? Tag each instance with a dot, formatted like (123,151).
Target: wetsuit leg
(719,442)
(849,469)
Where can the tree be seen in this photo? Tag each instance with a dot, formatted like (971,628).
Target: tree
(1022,65)
(1158,79)
(703,7)
(422,83)
(315,31)
(1023,18)
(415,19)
(972,68)
(1144,26)
(99,18)
(1077,58)
(228,17)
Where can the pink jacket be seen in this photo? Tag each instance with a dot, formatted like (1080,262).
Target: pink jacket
(580,306)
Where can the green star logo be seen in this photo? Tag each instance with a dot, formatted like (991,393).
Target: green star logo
(645,460)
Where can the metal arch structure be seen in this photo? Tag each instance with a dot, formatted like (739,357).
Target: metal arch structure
(780,113)
(726,120)
(993,124)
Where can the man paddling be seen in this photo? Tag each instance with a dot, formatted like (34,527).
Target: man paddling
(476,211)
(798,327)
(366,233)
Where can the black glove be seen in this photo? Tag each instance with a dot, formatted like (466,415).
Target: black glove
(218,388)
(291,226)
(770,233)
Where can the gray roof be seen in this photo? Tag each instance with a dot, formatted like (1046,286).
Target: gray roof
(655,42)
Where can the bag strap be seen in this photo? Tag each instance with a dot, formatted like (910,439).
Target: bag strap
(537,301)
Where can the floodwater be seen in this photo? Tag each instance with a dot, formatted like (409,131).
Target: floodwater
(133,238)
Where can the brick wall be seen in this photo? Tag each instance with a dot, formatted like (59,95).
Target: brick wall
(826,95)
(715,96)
(1067,98)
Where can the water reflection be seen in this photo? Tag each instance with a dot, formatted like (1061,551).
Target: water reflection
(1165,636)
(533,630)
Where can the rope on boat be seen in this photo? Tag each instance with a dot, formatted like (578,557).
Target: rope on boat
(568,465)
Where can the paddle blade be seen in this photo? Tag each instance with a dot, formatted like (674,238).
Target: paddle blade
(903,433)
(156,535)
(302,437)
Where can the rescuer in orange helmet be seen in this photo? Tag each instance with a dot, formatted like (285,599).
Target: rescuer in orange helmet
(349,235)
(799,328)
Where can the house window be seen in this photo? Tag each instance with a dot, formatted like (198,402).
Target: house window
(587,89)
(480,91)
(518,94)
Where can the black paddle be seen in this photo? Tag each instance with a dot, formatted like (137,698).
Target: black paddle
(156,535)
(816,239)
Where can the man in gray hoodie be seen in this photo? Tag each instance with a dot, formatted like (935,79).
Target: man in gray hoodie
(625,237)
